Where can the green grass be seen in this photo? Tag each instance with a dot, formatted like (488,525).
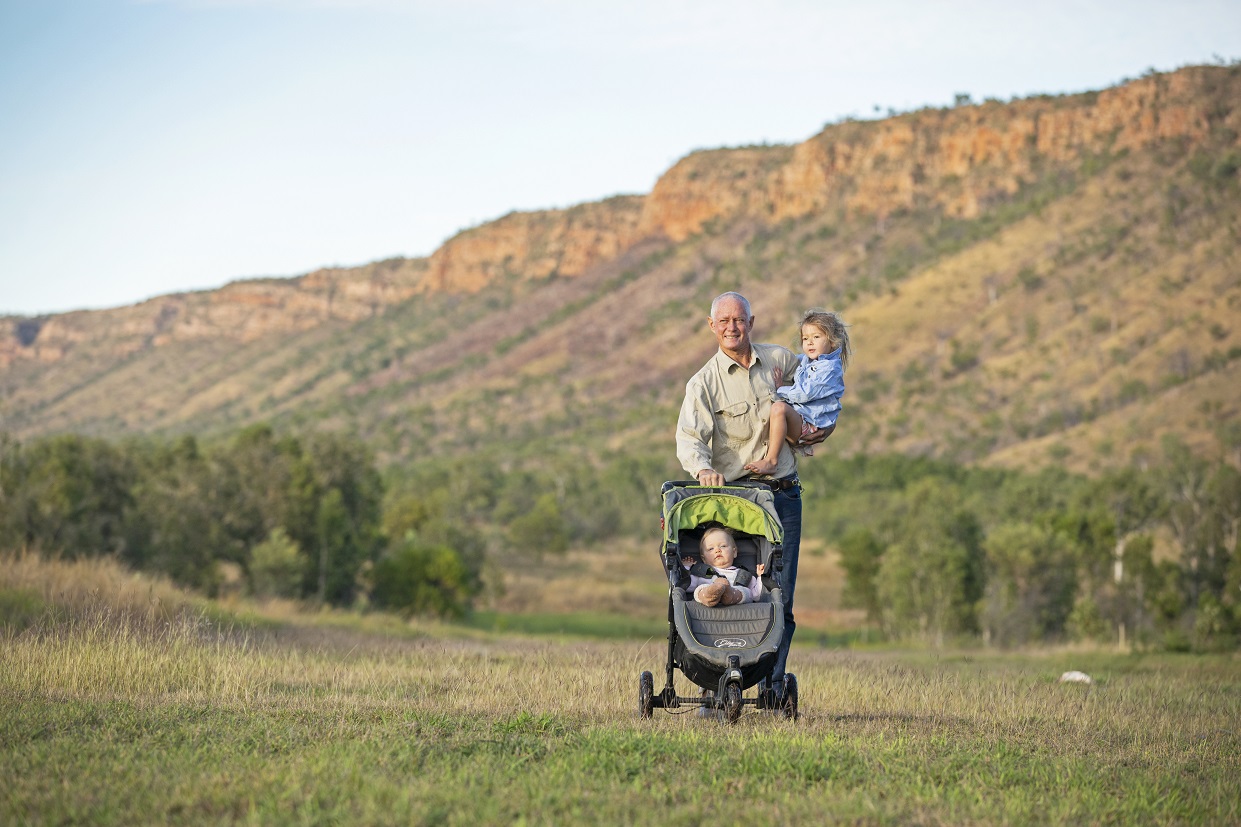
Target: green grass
(572,624)
(107,724)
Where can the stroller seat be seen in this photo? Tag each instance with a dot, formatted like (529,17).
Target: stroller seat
(732,627)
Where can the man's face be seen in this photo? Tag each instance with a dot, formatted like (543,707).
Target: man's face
(731,326)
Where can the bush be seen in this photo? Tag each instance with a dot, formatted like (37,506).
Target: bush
(1132,390)
(1030,583)
(416,579)
(929,579)
(1029,279)
(1086,621)
(276,566)
(542,529)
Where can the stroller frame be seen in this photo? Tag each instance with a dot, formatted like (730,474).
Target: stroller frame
(701,640)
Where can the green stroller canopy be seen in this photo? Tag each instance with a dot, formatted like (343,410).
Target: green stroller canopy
(738,513)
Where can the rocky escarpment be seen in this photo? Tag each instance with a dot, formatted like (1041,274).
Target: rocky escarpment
(535,245)
(240,311)
(957,160)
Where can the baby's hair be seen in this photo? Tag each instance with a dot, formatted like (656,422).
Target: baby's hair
(833,327)
(702,541)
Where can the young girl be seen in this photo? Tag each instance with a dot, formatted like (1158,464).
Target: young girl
(813,400)
(718,584)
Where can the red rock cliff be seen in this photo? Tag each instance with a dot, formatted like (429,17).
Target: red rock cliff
(535,245)
(956,160)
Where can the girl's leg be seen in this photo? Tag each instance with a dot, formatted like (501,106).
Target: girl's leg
(784,420)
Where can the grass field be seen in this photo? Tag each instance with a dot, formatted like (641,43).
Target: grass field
(113,718)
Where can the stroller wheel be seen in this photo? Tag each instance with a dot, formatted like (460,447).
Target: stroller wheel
(732,703)
(646,694)
(788,700)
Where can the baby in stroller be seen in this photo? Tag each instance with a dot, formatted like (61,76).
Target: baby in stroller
(732,644)
(715,581)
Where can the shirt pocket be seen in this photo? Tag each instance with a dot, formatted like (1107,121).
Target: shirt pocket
(736,422)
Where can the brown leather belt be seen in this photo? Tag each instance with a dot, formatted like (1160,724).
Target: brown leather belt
(780,485)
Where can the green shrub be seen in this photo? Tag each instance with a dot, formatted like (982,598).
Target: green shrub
(424,580)
(1029,279)
(1132,390)
(542,529)
(276,566)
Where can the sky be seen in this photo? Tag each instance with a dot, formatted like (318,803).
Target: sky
(156,146)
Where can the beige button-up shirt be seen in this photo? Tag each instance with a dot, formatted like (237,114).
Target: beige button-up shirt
(723,421)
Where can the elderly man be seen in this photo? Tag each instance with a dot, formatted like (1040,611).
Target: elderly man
(723,427)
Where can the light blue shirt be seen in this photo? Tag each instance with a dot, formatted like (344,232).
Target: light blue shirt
(816,389)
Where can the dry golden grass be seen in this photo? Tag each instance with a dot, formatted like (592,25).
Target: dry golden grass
(108,719)
(91,586)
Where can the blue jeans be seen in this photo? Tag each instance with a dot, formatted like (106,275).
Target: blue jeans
(788,507)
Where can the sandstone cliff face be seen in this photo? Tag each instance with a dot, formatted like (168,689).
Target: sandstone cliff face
(955,160)
(240,311)
(535,245)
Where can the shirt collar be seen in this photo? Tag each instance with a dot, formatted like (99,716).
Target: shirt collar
(727,363)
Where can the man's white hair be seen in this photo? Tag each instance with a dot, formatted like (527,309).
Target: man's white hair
(715,303)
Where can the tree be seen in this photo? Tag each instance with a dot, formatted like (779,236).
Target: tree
(426,580)
(276,566)
(347,517)
(178,524)
(1185,477)
(1030,584)
(931,577)
(68,495)
(540,530)
(860,554)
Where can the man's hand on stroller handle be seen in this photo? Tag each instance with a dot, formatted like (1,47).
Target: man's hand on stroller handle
(710,477)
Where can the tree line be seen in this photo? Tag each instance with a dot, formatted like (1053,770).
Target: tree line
(931,550)
(937,551)
(305,517)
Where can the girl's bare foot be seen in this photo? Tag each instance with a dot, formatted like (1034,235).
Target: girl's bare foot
(762,466)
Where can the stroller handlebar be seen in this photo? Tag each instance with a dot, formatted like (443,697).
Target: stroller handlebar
(671,484)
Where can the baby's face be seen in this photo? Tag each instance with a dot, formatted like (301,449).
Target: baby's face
(718,548)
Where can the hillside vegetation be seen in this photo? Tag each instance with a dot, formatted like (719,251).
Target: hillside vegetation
(1042,413)
(1053,279)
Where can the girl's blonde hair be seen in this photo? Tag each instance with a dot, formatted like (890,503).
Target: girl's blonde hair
(833,327)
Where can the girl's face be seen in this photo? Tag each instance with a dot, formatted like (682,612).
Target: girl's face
(814,342)
(718,548)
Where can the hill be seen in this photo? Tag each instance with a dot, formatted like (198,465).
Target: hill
(1047,279)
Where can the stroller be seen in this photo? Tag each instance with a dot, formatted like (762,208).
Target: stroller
(722,649)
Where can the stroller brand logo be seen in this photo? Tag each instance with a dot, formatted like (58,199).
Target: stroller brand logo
(730,643)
